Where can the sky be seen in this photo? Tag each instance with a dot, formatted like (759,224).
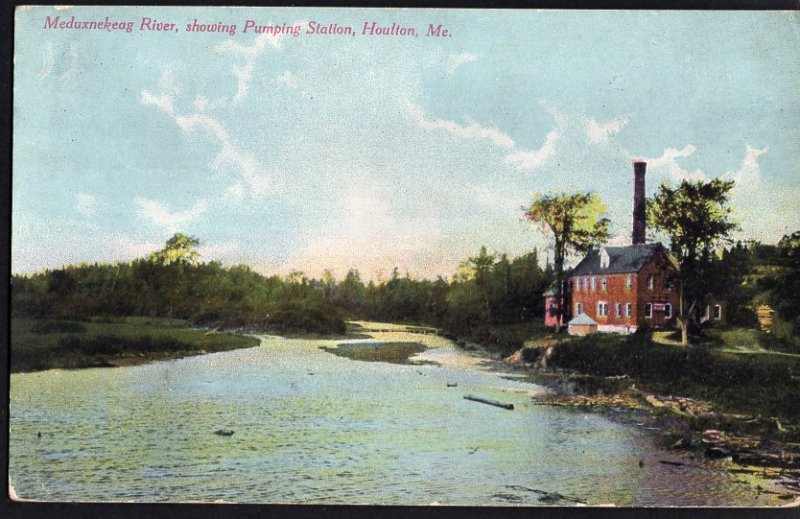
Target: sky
(373,152)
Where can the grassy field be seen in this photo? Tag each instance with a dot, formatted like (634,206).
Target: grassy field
(45,344)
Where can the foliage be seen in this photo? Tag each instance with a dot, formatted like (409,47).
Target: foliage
(575,221)
(764,384)
(696,217)
(98,342)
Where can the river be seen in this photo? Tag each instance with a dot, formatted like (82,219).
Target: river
(313,427)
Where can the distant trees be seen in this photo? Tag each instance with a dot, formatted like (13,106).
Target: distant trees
(576,222)
(173,282)
(696,218)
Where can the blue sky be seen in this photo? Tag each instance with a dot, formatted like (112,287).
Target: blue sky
(373,152)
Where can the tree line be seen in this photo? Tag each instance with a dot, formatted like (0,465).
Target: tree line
(488,292)
(174,283)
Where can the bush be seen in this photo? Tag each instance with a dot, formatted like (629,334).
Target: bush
(762,384)
(58,327)
(307,316)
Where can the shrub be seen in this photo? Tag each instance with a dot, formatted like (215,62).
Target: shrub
(58,327)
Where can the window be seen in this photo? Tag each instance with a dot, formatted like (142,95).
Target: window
(602,308)
(668,283)
(717,312)
(604,283)
(629,282)
(668,311)
(648,310)
(650,281)
(594,283)
(619,310)
(604,259)
(578,308)
(628,308)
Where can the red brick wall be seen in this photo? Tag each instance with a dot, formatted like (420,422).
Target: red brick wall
(660,269)
(616,291)
(638,295)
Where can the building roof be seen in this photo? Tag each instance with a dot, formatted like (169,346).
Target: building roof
(582,318)
(621,259)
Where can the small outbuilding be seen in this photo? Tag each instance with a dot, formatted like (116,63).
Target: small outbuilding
(582,324)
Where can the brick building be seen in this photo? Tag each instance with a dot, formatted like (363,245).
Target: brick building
(621,288)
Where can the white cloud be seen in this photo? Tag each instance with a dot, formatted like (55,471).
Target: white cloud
(749,172)
(456,60)
(288,79)
(86,204)
(472,131)
(159,214)
(253,175)
(667,164)
(48,61)
(163,102)
(125,247)
(601,133)
(526,160)
(72,71)
(222,251)
(249,53)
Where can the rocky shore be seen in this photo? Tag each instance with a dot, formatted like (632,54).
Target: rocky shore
(752,444)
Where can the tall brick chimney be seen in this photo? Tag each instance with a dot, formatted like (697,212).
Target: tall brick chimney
(639,217)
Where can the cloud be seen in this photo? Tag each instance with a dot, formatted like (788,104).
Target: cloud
(749,172)
(748,196)
(473,131)
(163,102)
(667,164)
(253,175)
(249,53)
(601,133)
(48,61)
(159,215)
(288,79)
(223,251)
(526,160)
(86,204)
(128,248)
(72,71)
(456,60)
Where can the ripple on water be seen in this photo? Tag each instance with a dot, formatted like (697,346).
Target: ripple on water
(351,432)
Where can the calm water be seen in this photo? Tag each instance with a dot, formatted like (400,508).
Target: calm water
(312,427)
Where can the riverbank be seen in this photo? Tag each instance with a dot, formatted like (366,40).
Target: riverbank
(698,414)
(38,344)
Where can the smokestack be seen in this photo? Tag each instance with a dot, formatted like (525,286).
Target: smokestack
(639,223)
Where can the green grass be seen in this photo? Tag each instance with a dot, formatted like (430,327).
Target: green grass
(764,384)
(395,352)
(42,344)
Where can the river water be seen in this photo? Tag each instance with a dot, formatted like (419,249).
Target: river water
(313,427)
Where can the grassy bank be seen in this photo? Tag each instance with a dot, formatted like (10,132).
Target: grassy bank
(38,344)
(755,383)
(394,352)
(498,339)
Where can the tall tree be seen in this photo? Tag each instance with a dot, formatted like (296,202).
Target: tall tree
(696,218)
(576,222)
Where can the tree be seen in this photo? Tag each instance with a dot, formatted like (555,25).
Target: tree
(576,222)
(181,248)
(695,217)
(785,296)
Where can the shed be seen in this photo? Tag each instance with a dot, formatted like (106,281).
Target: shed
(582,325)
